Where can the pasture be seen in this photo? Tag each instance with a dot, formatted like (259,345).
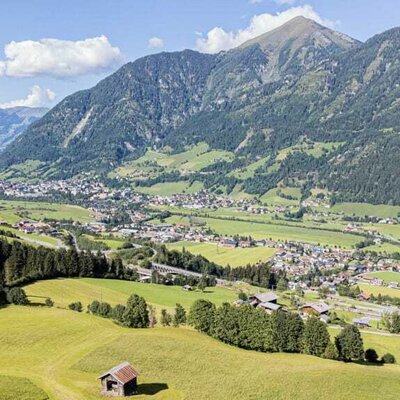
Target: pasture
(66,291)
(58,354)
(387,276)
(223,255)
(375,290)
(274,231)
(13,211)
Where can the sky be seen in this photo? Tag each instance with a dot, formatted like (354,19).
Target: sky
(52,48)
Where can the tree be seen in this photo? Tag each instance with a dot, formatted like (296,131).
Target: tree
(330,352)
(202,284)
(117,312)
(166,318)
(242,296)
(77,306)
(104,310)
(282,284)
(17,296)
(179,316)
(3,296)
(152,316)
(226,324)
(49,302)
(391,321)
(315,337)
(201,316)
(371,356)
(349,344)
(94,307)
(136,314)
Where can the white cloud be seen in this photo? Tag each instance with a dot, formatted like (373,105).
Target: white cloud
(155,42)
(218,39)
(59,58)
(255,1)
(37,97)
(285,1)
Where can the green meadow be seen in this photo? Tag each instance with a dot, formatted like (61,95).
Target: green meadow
(66,291)
(274,231)
(57,354)
(14,211)
(387,276)
(224,255)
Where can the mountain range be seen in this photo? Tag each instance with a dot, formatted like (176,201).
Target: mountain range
(14,121)
(301,105)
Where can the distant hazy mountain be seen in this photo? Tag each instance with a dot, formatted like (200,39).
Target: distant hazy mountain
(14,121)
(301,81)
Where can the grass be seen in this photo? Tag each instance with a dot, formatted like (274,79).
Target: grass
(272,197)
(223,255)
(11,211)
(274,231)
(66,291)
(363,209)
(20,388)
(387,276)
(62,353)
(153,163)
(170,188)
(375,290)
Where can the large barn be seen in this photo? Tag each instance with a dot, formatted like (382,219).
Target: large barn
(119,381)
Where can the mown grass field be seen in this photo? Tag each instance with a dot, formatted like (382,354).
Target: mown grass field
(224,255)
(387,276)
(61,353)
(66,291)
(363,209)
(274,231)
(170,188)
(11,211)
(375,290)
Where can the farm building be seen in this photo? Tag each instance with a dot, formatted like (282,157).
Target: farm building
(317,309)
(259,298)
(119,381)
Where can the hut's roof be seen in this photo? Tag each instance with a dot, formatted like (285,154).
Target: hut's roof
(123,373)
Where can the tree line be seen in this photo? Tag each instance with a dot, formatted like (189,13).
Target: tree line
(251,328)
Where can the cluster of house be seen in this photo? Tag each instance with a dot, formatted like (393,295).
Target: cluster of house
(30,226)
(200,200)
(268,302)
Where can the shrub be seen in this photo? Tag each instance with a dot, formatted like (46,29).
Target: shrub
(77,306)
(371,356)
(17,296)
(166,318)
(49,302)
(388,358)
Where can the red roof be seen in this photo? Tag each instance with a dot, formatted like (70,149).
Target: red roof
(123,373)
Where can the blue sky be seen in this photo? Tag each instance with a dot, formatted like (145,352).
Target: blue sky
(92,38)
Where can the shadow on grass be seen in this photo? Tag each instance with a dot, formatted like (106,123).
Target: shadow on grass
(151,388)
(369,364)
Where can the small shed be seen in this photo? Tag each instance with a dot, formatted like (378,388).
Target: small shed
(119,381)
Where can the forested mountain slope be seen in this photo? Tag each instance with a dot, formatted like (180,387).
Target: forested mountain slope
(297,86)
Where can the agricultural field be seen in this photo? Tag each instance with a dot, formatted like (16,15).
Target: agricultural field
(153,163)
(272,197)
(65,358)
(375,290)
(386,276)
(14,211)
(170,188)
(365,209)
(224,255)
(273,231)
(66,291)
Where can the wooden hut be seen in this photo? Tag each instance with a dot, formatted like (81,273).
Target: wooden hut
(119,381)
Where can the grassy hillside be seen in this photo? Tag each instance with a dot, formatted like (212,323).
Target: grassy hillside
(223,255)
(66,291)
(61,353)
